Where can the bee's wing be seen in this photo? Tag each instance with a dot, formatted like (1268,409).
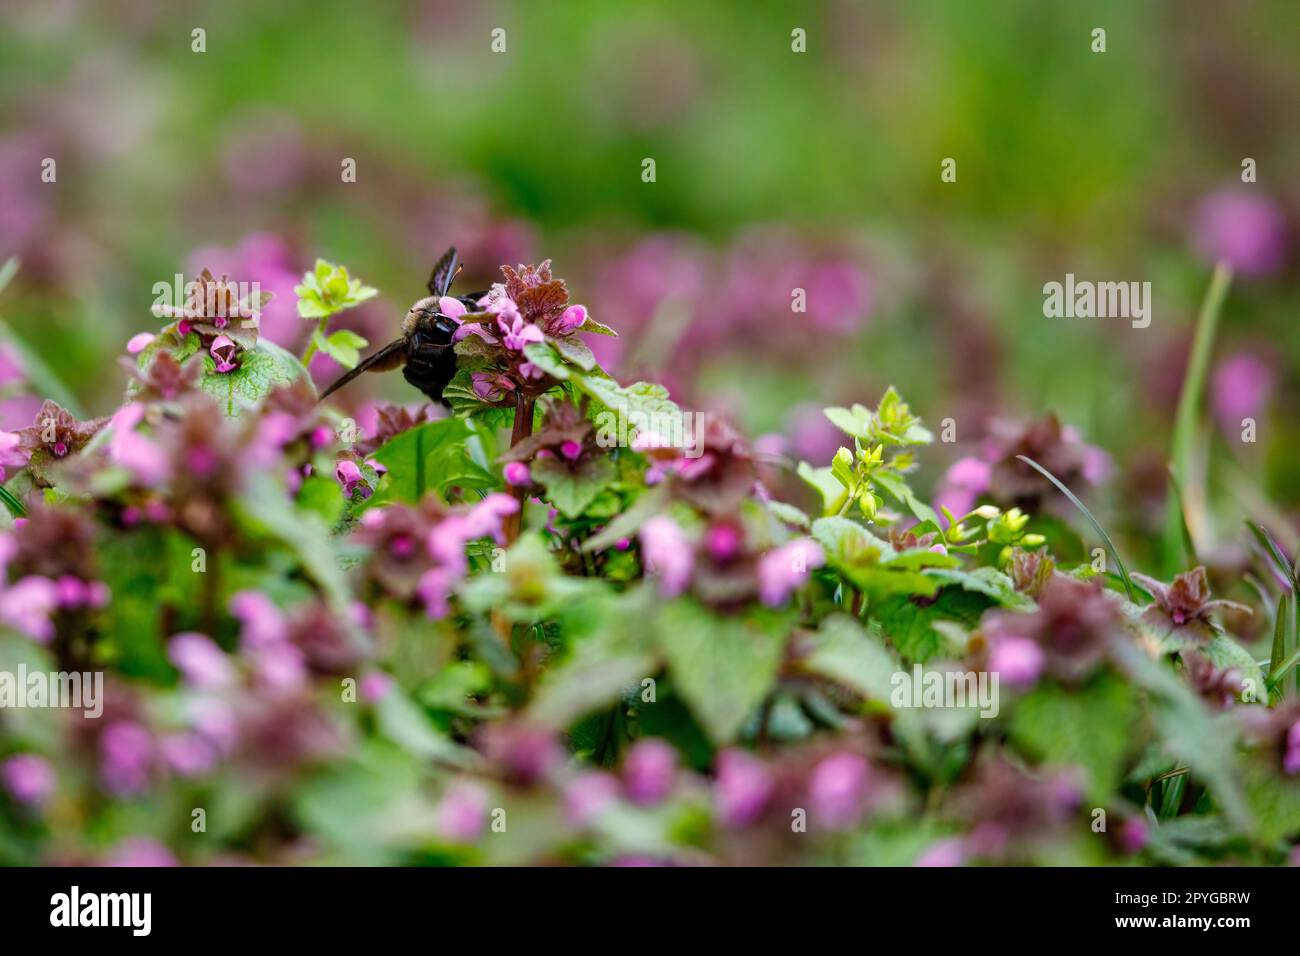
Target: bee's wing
(443,273)
(389,357)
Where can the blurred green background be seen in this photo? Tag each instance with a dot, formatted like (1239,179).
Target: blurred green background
(774,169)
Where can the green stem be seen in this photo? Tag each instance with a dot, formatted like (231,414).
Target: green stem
(1187,417)
(311,344)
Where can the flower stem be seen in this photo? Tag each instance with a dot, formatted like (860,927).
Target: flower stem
(523,428)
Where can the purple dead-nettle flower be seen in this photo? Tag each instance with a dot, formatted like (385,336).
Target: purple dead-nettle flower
(12,454)
(1018,660)
(140,852)
(516,474)
(224,352)
(782,571)
(148,463)
(263,624)
(522,754)
(649,771)
(351,479)
(1218,686)
(725,541)
(668,554)
(126,758)
(463,811)
(588,795)
(1241,388)
(375,686)
(517,333)
(944,853)
(139,342)
(838,790)
(1073,627)
(27,606)
(1185,603)
(570,320)
(203,665)
(491,386)
(742,787)
(28,778)
(1247,231)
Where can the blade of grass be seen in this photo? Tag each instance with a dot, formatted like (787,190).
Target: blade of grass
(1189,546)
(1189,403)
(44,382)
(1277,667)
(1110,545)
(12,503)
(1275,553)
(8,271)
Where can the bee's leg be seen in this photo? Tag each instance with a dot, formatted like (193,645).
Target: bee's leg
(470,301)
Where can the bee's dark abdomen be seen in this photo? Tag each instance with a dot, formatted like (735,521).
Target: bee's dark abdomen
(429,366)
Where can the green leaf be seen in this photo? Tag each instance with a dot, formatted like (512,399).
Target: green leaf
(591,325)
(828,486)
(261,369)
(574,350)
(723,666)
(343,346)
(1274,800)
(1089,727)
(1226,653)
(844,653)
(547,359)
(431,456)
(910,628)
(571,489)
(989,581)
(402,721)
(855,421)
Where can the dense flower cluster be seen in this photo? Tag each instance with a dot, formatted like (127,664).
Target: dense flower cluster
(425,637)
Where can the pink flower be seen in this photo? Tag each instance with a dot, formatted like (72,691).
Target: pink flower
(201,662)
(27,605)
(490,386)
(348,474)
(1133,835)
(145,459)
(1248,231)
(223,351)
(188,754)
(516,474)
(375,686)
(139,342)
(668,554)
(569,321)
(28,778)
(518,333)
(263,623)
(950,852)
(837,790)
(141,852)
(571,450)
(434,590)
(1241,389)
(125,758)
(1018,660)
(11,454)
(782,571)
(451,308)
(649,771)
(462,814)
(742,788)
(966,480)
(723,541)
(588,795)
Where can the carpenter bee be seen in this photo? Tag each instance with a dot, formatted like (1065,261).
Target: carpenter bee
(425,350)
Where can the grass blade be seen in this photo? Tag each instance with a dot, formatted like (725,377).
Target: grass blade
(1187,417)
(1189,546)
(12,503)
(1275,554)
(1110,545)
(8,271)
(1277,667)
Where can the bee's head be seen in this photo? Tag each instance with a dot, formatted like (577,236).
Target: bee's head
(421,316)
